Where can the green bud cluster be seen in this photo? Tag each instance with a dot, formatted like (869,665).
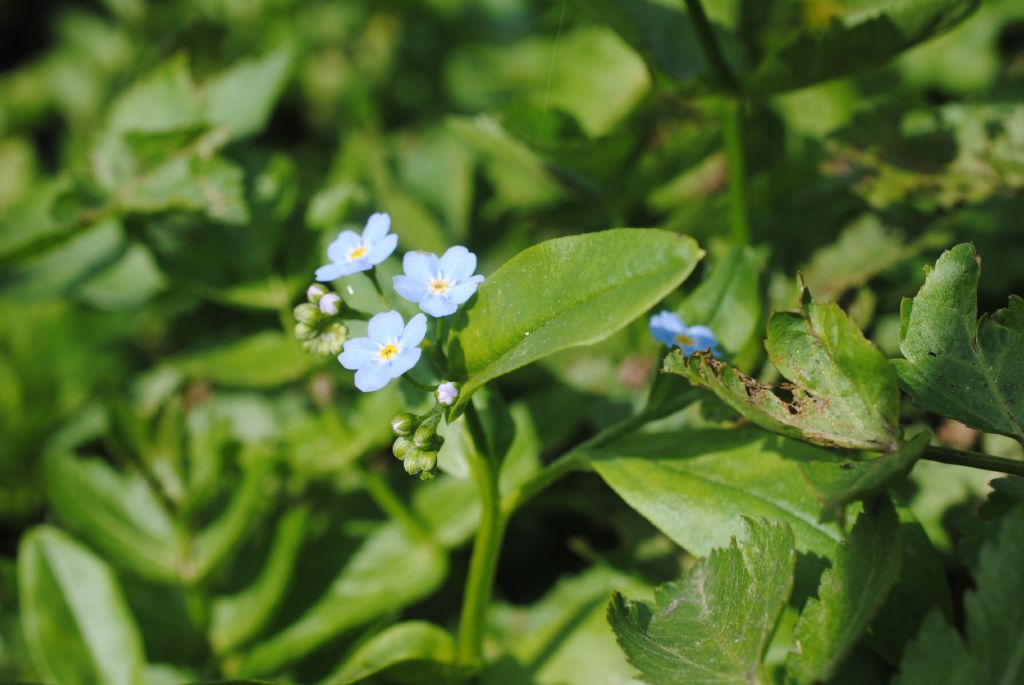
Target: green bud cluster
(321,333)
(417,443)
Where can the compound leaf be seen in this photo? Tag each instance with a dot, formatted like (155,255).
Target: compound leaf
(957,365)
(991,651)
(863,570)
(713,625)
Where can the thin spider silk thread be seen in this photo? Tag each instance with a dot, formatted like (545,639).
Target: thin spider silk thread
(554,56)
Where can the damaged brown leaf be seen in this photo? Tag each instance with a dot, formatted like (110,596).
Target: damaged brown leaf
(842,392)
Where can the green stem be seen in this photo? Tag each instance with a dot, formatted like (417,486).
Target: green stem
(391,504)
(975,460)
(734,144)
(735,150)
(376,285)
(486,547)
(439,359)
(706,38)
(416,384)
(573,460)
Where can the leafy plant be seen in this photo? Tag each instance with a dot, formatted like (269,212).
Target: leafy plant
(617,284)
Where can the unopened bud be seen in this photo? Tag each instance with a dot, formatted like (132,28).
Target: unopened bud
(330,304)
(315,292)
(428,475)
(446,393)
(332,338)
(428,461)
(412,461)
(306,313)
(401,447)
(403,424)
(303,331)
(425,436)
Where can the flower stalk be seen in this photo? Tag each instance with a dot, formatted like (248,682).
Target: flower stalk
(486,546)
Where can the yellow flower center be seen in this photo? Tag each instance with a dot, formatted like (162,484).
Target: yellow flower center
(388,352)
(684,340)
(439,286)
(357,252)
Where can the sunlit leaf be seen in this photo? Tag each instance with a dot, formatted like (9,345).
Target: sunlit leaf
(410,652)
(713,625)
(76,622)
(956,364)
(564,293)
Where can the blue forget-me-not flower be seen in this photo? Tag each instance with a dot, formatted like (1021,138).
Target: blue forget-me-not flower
(439,284)
(351,253)
(391,349)
(668,328)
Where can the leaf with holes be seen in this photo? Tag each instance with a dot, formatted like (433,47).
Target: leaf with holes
(843,392)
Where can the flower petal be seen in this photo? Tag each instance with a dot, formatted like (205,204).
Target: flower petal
(339,248)
(373,377)
(385,327)
(458,263)
(358,352)
(405,360)
(665,326)
(382,249)
(701,333)
(357,265)
(437,306)
(420,266)
(409,289)
(377,226)
(463,291)
(414,332)
(703,339)
(330,272)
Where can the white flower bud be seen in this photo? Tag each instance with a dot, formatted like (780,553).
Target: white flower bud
(446,393)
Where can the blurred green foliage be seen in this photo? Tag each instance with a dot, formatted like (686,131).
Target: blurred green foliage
(186,495)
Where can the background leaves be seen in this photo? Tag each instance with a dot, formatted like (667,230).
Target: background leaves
(172,173)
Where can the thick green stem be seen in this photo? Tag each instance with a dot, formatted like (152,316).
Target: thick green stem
(486,547)
(734,122)
(975,460)
(735,150)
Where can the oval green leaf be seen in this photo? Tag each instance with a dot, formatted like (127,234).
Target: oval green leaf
(117,513)
(564,293)
(410,652)
(76,622)
(695,484)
